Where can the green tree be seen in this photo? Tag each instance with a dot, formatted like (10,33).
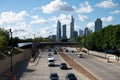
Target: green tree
(4,38)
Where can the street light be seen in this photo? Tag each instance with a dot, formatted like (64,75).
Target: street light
(10,52)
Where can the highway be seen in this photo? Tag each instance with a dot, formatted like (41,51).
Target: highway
(101,69)
(39,70)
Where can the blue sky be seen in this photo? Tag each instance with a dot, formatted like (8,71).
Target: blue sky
(39,17)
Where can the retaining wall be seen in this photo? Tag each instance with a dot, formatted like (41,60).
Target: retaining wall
(5,64)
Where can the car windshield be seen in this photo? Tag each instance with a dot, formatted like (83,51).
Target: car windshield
(51,60)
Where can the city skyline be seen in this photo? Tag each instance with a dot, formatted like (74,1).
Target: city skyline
(39,17)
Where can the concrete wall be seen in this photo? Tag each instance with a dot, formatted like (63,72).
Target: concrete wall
(5,64)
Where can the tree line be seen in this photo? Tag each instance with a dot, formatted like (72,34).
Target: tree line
(107,38)
(5,39)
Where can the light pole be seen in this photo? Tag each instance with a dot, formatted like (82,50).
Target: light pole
(11,47)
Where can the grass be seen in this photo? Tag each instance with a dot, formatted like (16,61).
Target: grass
(6,50)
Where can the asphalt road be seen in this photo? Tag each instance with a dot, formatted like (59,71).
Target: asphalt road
(39,70)
(101,69)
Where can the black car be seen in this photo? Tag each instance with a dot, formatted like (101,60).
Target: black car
(49,50)
(66,50)
(72,51)
(54,76)
(63,66)
(71,76)
(55,52)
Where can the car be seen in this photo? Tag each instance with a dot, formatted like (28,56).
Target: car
(71,76)
(51,61)
(66,50)
(55,52)
(49,50)
(72,51)
(54,76)
(80,55)
(49,54)
(63,66)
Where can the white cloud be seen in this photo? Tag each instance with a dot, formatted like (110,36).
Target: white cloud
(56,5)
(107,4)
(90,25)
(64,19)
(108,19)
(46,31)
(12,17)
(82,17)
(84,8)
(37,20)
(20,29)
(115,12)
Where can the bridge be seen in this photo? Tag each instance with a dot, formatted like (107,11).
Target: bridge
(43,44)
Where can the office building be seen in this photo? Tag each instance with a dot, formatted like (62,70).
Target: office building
(87,31)
(53,38)
(80,32)
(72,28)
(58,36)
(64,32)
(75,34)
(98,24)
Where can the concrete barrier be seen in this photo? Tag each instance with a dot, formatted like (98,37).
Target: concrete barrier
(5,64)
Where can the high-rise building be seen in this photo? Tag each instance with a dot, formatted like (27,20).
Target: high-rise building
(80,32)
(58,37)
(87,31)
(72,28)
(53,38)
(98,24)
(64,32)
(75,34)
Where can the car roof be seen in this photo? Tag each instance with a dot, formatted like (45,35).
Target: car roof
(50,58)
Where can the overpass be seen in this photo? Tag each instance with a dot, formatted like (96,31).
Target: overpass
(43,44)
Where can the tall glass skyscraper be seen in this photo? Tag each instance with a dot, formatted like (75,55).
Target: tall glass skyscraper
(58,37)
(98,24)
(64,32)
(72,28)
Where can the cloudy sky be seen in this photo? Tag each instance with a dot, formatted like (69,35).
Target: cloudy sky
(39,17)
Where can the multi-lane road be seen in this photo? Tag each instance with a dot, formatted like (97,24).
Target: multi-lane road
(100,68)
(39,70)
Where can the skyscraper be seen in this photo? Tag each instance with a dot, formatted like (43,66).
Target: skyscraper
(80,32)
(64,32)
(58,37)
(87,31)
(72,28)
(98,24)
(75,34)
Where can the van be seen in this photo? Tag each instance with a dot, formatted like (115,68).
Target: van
(51,61)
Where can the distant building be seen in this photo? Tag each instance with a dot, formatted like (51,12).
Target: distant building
(64,32)
(53,38)
(98,24)
(58,36)
(87,31)
(72,28)
(80,32)
(75,34)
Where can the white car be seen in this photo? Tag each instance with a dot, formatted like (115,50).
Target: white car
(51,61)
